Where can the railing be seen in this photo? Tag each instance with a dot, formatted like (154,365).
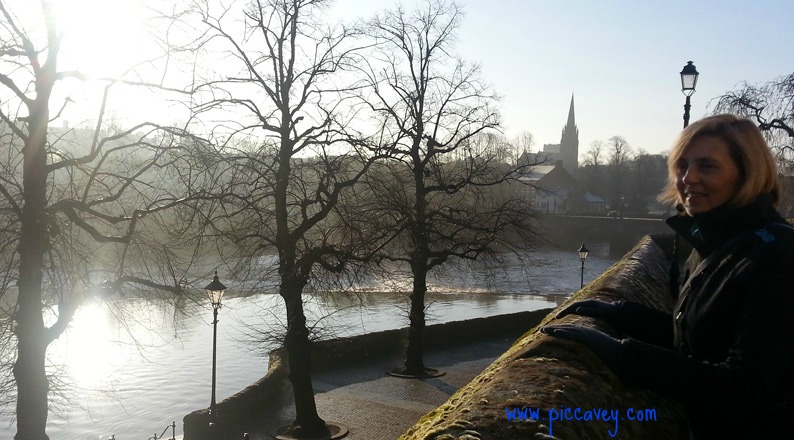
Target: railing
(158,437)
(173,434)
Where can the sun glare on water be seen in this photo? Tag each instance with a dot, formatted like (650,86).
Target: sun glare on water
(90,355)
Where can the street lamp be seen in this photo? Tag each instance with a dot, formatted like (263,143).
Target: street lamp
(215,291)
(583,251)
(689,79)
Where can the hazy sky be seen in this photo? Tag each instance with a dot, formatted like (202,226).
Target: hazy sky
(620,58)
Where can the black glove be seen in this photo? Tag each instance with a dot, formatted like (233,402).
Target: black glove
(607,348)
(595,309)
(636,320)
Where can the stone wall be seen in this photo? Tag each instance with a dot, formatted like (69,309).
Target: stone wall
(274,389)
(543,372)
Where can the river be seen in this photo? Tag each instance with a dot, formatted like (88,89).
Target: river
(128,368)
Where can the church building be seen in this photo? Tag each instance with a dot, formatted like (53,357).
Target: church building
(568,149)
(551,185)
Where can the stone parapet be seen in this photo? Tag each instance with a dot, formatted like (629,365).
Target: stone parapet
(543,373)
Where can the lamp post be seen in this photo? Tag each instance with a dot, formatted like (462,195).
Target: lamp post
(689,79)
(583,251)
(215,291)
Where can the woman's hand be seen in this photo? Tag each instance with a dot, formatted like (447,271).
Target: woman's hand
(607,348)
(594,309)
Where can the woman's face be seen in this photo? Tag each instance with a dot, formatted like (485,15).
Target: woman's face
(706,175)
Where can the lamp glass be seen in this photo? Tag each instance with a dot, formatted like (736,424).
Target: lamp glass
(215,291)
(583,251)
(689,78)
(215,296)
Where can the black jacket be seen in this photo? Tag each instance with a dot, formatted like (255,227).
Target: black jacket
(727,351)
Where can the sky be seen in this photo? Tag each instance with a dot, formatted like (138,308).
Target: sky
(620,59)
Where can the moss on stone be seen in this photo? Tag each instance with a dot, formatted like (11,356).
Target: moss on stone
(538,371)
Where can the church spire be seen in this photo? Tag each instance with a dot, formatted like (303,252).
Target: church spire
(571,119)
(569,141)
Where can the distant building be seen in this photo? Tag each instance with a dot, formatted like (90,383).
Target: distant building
(589,204)
(551,187)
(568,149)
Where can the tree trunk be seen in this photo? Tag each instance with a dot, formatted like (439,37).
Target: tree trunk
(307,421)
(29,368)
(32,386)
(414,363)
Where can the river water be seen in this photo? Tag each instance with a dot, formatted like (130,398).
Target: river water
(128,368)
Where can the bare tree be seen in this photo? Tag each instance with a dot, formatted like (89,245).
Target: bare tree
(619,155)
(593,170)
(445,195)
(522,148)
(494,144)
(771,105)
(648,178)
(73,204)
(524,142)
(595,154)
(279,107)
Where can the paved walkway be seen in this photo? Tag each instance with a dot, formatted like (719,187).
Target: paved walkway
(376,406)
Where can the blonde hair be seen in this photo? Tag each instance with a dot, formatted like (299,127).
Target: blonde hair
(747,148)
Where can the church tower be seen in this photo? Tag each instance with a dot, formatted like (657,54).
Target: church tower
(569,142)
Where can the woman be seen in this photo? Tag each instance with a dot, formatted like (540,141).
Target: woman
(727,350)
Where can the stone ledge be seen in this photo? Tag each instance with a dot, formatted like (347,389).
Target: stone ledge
(274,389)
(345,351)
(539,371)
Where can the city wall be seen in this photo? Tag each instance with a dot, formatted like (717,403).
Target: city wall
(546,374)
